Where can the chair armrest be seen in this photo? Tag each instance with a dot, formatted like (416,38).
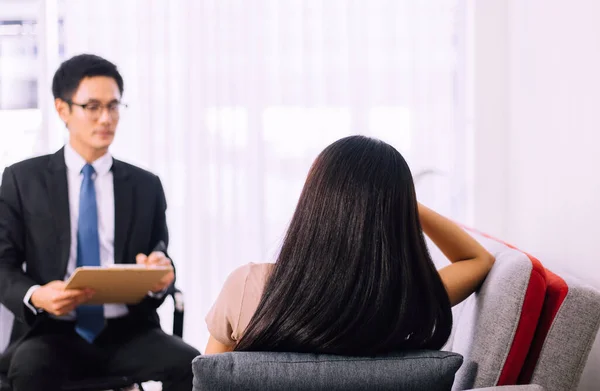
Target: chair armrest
(178,300)
(178,310)
(523,387)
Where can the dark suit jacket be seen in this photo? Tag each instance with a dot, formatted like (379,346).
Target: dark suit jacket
(35,231)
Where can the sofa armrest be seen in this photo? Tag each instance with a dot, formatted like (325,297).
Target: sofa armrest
(523,387)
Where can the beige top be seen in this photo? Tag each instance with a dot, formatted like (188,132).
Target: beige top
(237,302)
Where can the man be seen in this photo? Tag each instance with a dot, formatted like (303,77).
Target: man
(81,207)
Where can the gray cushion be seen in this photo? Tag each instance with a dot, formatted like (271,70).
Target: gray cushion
(413,371)
(494,347)
(570,338)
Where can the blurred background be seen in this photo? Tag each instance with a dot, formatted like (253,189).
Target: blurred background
(492,102)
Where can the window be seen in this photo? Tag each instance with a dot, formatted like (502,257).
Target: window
(20,114)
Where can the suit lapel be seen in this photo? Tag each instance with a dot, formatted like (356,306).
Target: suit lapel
(58,194)
(123,189)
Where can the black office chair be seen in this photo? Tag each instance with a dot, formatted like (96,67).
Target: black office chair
(118,383)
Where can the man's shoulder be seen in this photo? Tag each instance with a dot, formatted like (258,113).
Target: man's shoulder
(138,173)
(30,165)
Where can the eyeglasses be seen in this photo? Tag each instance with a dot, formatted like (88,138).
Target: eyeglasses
(94,109)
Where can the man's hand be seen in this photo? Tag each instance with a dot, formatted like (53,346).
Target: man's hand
(157,258)
(56,300)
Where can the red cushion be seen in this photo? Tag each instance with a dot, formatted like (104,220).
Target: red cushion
(556,292)
(528,321)
(530,313)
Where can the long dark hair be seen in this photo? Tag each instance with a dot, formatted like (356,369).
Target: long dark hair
(354,275)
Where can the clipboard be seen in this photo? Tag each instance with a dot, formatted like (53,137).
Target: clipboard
(118,284)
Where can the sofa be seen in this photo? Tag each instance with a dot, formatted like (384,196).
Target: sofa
(526,328)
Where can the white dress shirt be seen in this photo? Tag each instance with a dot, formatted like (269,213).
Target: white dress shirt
(105,200)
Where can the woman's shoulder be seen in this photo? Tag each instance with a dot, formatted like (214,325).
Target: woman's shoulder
(246,284)
(237,302)
(251,272)
(246,288)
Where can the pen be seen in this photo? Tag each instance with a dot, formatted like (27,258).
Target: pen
(160,246)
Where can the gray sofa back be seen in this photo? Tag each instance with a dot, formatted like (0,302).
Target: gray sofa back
(269,371)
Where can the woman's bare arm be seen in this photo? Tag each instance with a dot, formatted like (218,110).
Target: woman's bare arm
(213,346)
(470,261)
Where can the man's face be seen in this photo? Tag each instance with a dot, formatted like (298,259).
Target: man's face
(92,127)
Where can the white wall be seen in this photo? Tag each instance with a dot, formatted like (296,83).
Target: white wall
(547,134)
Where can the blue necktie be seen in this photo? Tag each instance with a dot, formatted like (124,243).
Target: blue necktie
(90,318)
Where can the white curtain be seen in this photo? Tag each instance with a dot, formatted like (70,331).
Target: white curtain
(231,101)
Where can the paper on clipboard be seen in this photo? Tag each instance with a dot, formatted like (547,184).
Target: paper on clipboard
(117,284)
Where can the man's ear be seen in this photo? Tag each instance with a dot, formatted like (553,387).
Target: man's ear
(63,109)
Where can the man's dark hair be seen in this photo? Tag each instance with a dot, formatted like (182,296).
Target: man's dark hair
(70,73)
(354,275)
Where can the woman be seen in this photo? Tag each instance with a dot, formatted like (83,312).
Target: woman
(354,275)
